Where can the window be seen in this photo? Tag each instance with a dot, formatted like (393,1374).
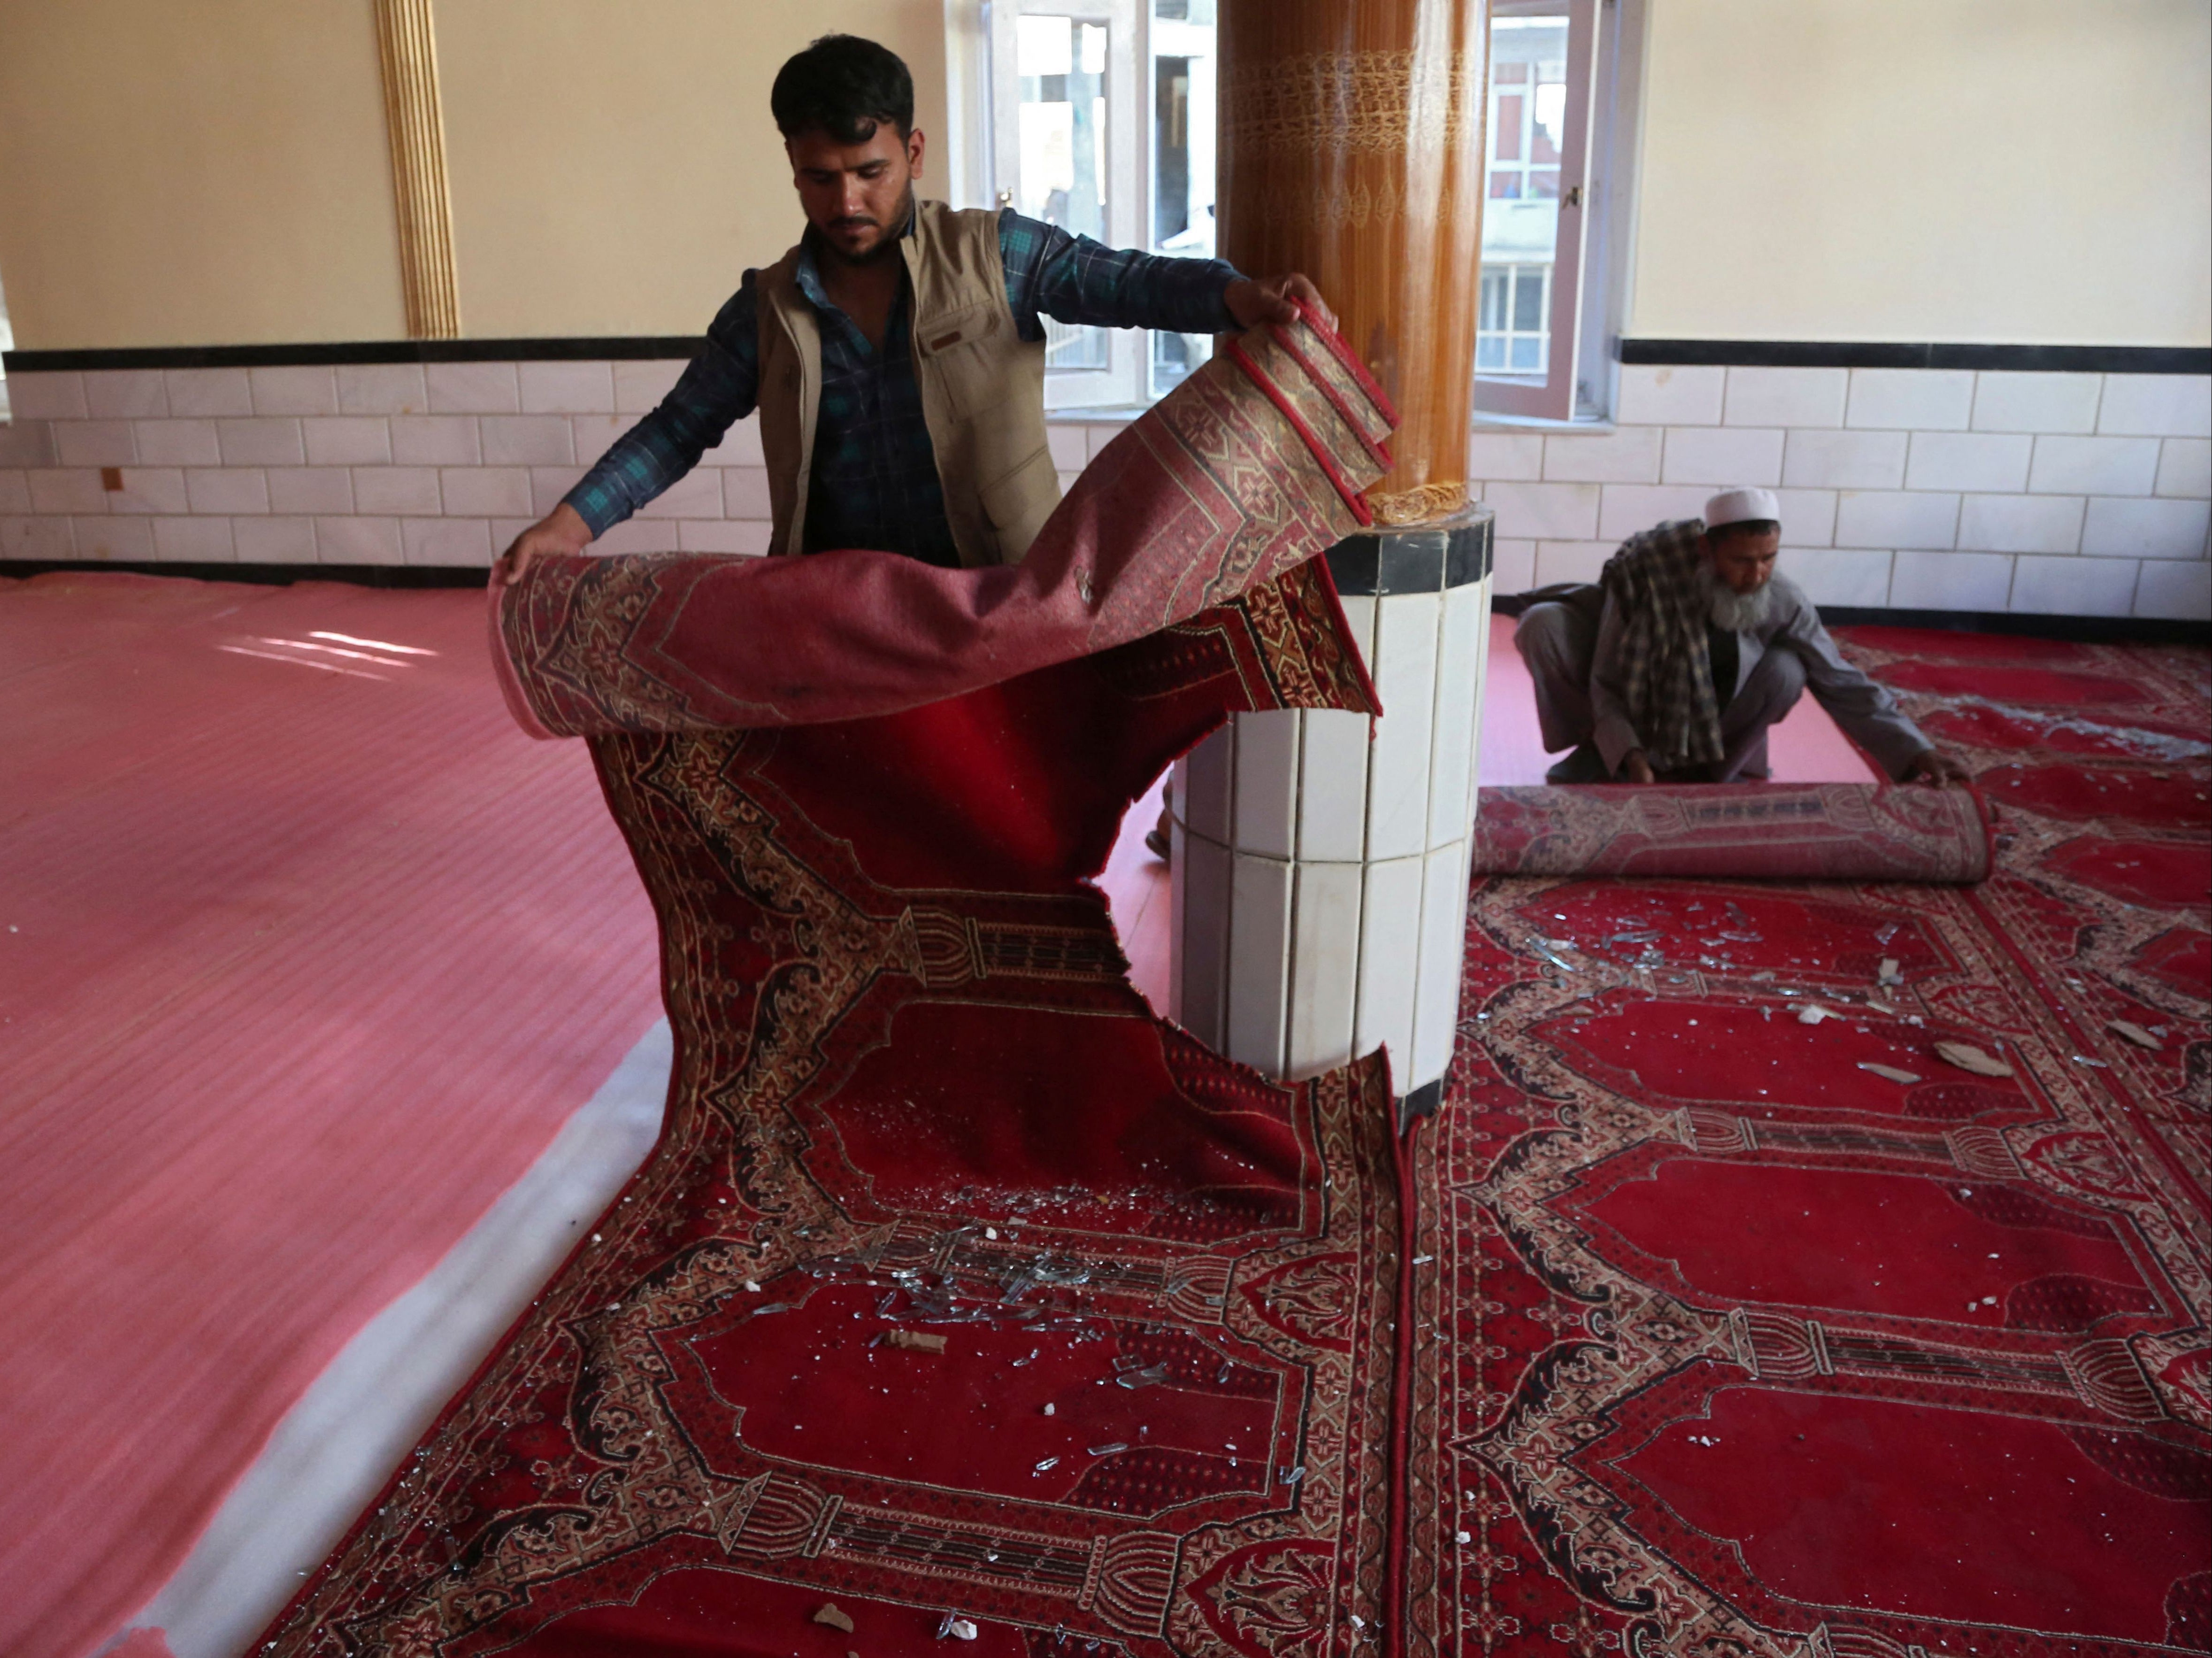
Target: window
(1536,205)
(1513,324)
(1181,51)
(1101,117)
(1103,122)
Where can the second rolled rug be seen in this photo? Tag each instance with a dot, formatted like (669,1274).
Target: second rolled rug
(1741,831)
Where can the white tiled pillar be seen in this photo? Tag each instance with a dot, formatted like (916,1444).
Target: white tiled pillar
(1320,872)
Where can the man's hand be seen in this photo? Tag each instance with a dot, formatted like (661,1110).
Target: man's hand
(1638,766)
(1274,299)
(1936,768)
(561,531)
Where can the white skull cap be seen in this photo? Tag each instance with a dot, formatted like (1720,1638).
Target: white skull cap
(1742,506)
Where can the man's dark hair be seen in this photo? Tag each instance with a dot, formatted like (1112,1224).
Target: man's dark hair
(844,86)
(1743,526)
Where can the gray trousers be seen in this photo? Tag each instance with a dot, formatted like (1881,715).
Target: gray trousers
(1559,642)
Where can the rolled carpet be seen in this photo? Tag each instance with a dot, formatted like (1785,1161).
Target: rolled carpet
(1249,468)
(1756,832)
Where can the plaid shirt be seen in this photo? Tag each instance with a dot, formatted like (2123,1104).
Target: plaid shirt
(875,481)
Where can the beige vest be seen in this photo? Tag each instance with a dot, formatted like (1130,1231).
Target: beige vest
(982,389)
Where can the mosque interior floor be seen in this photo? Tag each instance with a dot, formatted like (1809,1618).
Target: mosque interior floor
(331,1013)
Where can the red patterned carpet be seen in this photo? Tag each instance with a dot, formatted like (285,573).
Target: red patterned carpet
(959,1282)
(960,1293)
(1772,1333)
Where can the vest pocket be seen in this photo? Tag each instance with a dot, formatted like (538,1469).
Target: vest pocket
(963,350)
(1012,500)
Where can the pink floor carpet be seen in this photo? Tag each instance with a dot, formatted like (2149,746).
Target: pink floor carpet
(309,954)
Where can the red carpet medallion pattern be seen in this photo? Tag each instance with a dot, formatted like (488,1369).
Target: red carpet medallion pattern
(962,1296)
(1766,1328)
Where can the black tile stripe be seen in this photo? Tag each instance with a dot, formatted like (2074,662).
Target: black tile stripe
(626,347)
(1870,354)
(1747,353)
(1419,558)
(359,575)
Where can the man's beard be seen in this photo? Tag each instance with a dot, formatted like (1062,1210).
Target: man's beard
(884,248)
(1736,612)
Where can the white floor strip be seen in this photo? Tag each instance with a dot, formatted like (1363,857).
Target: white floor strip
(335,1448)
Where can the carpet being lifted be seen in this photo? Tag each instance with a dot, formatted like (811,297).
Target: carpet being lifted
(962,1297)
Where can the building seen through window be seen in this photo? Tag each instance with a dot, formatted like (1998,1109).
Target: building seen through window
(1521,217)
(1112,135)
(1064,176)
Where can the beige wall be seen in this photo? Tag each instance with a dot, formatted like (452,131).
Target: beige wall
(2023,171)
(218,172)
(198,173)
(615,167)
(2007,170)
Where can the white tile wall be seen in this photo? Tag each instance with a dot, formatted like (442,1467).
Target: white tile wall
(1951,581)
(1910,400)
(2021,523)
(2026,402)
(1815,459)
(1630,455)
(46,397)
(293,391)
(2156,405)
(116,539)
(1906,487)
(2074,587)
(1513,565)
(178,443)
(1786,397)
(124,393)
(2184,467)
(1841,576)
(385,388)
(1886,476)
(2175,590)
(1718,455)
(1893,518)
(566,387)
(1968,461)
(2094,465)
(473,387)
(1671,395)
(2145,528)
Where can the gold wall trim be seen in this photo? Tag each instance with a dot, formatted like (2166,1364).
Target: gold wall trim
(416,121)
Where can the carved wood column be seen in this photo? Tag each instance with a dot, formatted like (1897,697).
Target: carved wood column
(1352,150)
(1319,906)
(416,119)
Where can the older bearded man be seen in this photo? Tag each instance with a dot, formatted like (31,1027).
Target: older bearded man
(1673,667)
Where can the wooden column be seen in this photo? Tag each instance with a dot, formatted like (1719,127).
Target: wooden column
(1352,150)
(1319,905)
(415,117)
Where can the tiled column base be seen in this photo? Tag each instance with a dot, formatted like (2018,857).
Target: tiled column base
(1319,886)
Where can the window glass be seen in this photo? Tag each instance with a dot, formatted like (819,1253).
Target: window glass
(1521,222)
(1062,67)
(1182,52)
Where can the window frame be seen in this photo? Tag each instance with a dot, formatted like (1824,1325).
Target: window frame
(1558,394)
(1125,380)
